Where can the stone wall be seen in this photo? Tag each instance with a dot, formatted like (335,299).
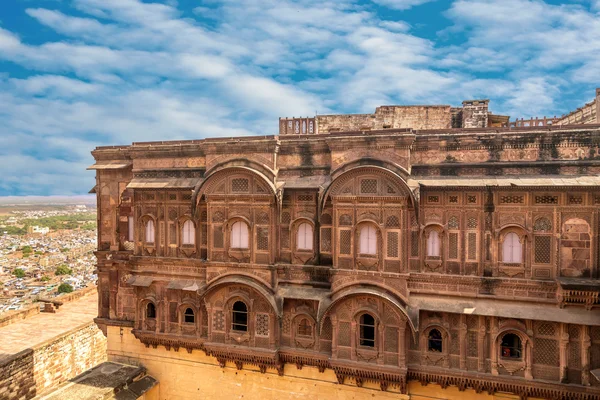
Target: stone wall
(47,365)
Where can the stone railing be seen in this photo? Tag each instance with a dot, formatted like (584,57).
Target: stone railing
(588,299)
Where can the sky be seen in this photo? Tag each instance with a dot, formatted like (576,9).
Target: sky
(76,74)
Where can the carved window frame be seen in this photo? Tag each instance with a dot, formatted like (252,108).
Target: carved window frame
(303,341)
(239,254)
(512,365)
(442,357)
(148,246)
(376,331)
(143,322)
(522,235)
(302,256)
(368,261)
(441,239)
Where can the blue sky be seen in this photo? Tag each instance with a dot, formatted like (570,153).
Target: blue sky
(75,74)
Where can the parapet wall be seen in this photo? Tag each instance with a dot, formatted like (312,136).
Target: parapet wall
(47,365)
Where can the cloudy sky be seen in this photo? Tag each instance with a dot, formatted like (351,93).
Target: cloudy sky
(75,74)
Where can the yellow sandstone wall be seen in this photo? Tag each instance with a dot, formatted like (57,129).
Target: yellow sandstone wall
(193,376)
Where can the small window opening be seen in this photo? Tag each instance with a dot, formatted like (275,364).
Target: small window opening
(511,346)
(304,328)
(434,341)
(150,310)
(367,330)
(189,316)
(240,317)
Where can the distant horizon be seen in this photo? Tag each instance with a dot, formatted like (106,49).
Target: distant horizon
(52,199)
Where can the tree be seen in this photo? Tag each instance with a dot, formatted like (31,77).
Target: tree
(19,273)
(63,270)
(26,249)
(65,288)
(45,278)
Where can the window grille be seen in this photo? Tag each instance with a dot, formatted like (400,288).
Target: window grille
(392,222)
(344,334)
(219,321)
(218,217)
(285,218)
(263,218)
(305,197)
(433,199)
(345,220)
(472,223)
(326,219)
(576,199)
(471,199)
(262,239)
(453,245)
(368,186)
(453,199)
(172,233)
(453,223)
(472,251)
(239,185)
(304,328)
(285,238)
(326,240)
(542,246)
(218,237)
(392,244)
(546,199)
(262,324)
(512,199)
(391,339)
(345,241)
(414,243)
(542,225)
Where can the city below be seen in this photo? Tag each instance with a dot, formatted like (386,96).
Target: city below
(46,250)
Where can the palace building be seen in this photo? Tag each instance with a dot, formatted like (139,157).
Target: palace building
(420,251)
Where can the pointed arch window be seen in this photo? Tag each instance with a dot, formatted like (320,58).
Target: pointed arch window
(239,317)
(188,316)
(239,235)
(304,328)
(511,346)
(433,244)
(188,233)
(368,240)
(305,237)
(434,341)
(150,311)
(512,250)
(150,231)
(367,330)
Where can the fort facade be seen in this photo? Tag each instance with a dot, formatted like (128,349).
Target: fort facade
(418,251)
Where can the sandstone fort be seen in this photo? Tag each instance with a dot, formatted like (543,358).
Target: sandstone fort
(417,251)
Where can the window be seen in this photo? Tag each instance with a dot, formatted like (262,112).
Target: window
(239,317)
(150,310)
(239,235)
(368,240)
(434,341)
(150,231)
(305,237)
(433,244)
(511,346)
(511,249)
(304,328)
(367,330)
(130,229)
(188,316)
(188,233)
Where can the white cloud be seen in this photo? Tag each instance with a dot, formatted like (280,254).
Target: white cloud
(401,4)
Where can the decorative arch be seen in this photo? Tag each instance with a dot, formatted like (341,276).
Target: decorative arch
(260,287)
(376,168)
(216,175)
(435,358)
(401,310)
(510,365)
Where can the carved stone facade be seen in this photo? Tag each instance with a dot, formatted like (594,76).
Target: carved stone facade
(461,257)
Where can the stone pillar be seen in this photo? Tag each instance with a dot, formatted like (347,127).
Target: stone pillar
(586,343)
(463,341)
(481,345)
(353,344)
(402,346)
(334,337)
(493,349)
(564,352)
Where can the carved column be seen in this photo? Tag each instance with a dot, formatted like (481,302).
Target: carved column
(334,337)
(528,359)
(481,345)
(353,345)
(586,343)
(493,349)
(402,346)
(463,341)
(487,255)
(564,352)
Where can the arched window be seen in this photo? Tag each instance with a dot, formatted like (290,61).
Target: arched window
(368,240)
(188,316)
(367,330)
(511,346)
(239,235)
(188,233)
(304,328)
(434,341)
(304,240)
(239,317)
(150,231)
(511,249)
(433,244)
(150,310)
